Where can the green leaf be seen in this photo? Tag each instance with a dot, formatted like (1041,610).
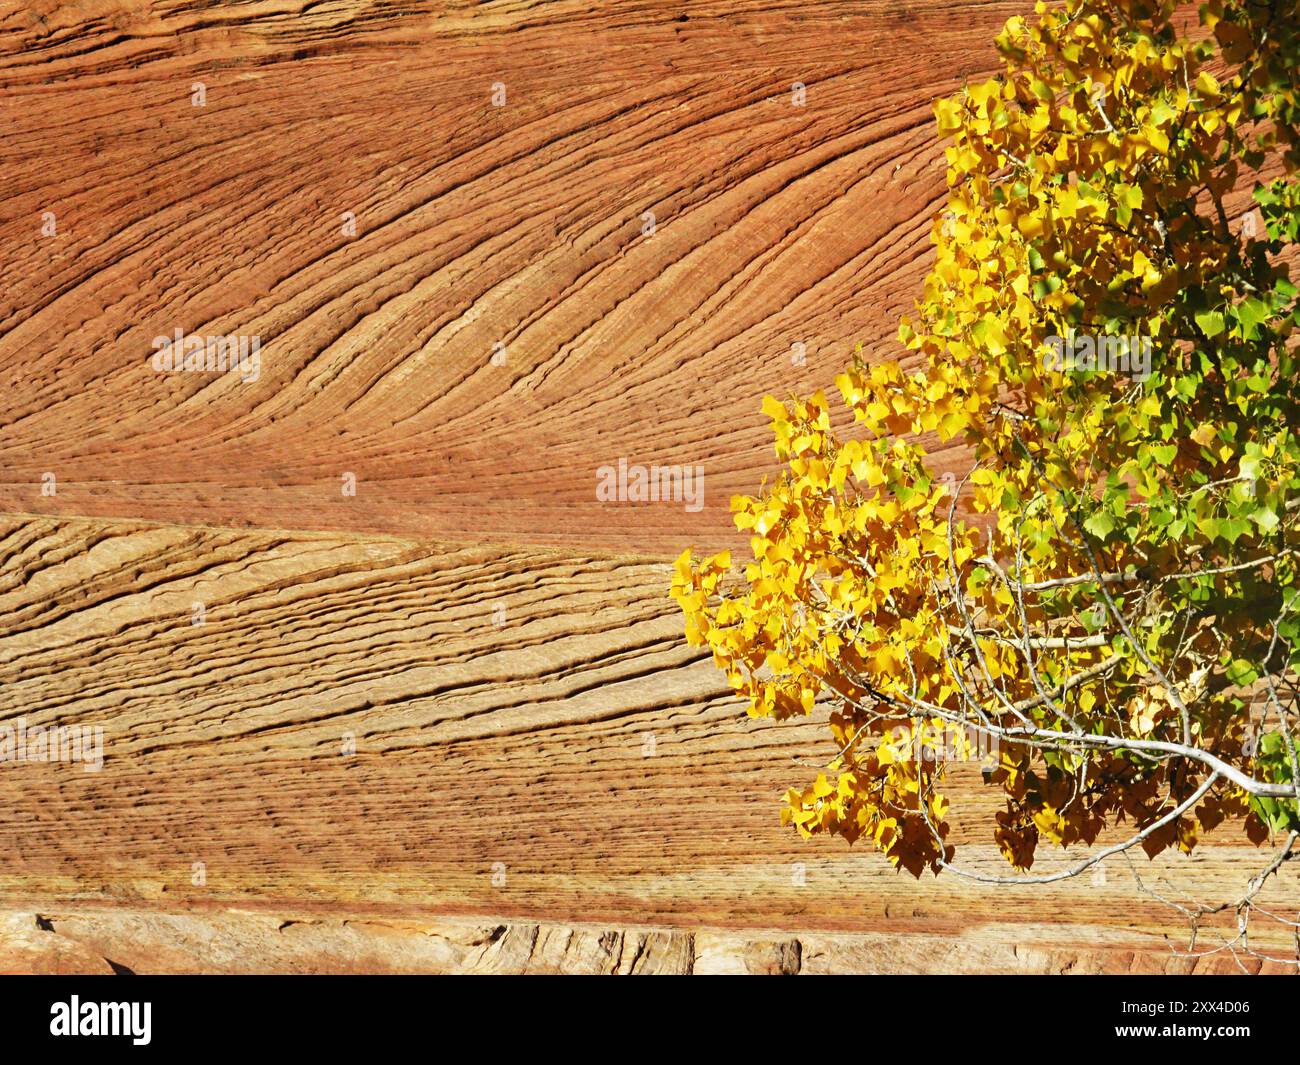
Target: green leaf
(1101,524)
(1210,322)
(1266,518)
(1242,673)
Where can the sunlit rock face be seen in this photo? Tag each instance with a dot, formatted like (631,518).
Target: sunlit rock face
(466,317)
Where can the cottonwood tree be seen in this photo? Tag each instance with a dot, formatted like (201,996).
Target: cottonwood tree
(1101,605)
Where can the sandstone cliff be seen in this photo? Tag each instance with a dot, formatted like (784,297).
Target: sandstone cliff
(448,722)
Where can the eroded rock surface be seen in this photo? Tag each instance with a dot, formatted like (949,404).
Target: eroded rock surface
(421,741)
(399,731)
(242,942)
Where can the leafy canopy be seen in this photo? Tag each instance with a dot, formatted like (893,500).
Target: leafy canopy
(1101,606)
